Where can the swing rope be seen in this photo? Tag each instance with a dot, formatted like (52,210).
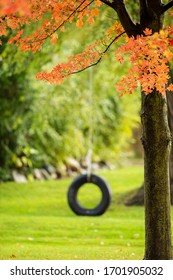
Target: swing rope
(89,177)
(90,121)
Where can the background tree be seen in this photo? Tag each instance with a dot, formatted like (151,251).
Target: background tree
(37,124)
(15,104)
(148,47)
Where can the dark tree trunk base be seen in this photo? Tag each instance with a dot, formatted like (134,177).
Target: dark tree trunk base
(138,198)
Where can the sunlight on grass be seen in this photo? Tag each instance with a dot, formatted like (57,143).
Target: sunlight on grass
(89,196)
(37,223)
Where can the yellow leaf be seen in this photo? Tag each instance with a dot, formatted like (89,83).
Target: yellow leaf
(62,28)
(98,2)
(54,38)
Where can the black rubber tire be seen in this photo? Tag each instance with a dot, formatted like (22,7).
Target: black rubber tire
(73,191)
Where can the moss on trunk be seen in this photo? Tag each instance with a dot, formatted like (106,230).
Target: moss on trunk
(156,142)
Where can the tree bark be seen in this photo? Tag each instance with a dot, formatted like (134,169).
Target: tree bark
(156,142)
(170,122)
(138,198)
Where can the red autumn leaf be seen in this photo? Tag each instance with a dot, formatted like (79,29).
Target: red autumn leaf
(170,42)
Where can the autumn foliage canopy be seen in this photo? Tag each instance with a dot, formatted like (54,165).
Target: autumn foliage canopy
(149,53)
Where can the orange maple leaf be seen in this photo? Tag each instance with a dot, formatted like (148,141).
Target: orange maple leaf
(98,2)
(170,87)
(54,38)
(79,23)
(95,12)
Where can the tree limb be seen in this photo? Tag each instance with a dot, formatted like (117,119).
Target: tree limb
(143,9)
(166,7)
(66,20)
(86,6)
(129,26)
(99,60)
(155,16)
(107,3)
(73,12)
(154,6)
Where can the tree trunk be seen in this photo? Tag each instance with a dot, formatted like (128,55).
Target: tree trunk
(170,122)
(138,198)
(156,143)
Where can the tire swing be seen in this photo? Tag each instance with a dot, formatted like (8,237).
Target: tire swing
(77,184)
(72,195)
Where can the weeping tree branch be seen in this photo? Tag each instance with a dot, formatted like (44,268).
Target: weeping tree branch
(86,6)
(99,60)
(65,21)
(73,13)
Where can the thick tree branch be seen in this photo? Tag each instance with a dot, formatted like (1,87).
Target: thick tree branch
(167,7)
(107,3)
(130,28)
(143,6)
(143,10)
(154,18)
(154,7)
(99,60)
(154,4)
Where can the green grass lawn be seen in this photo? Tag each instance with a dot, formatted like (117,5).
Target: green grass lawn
(36,222)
